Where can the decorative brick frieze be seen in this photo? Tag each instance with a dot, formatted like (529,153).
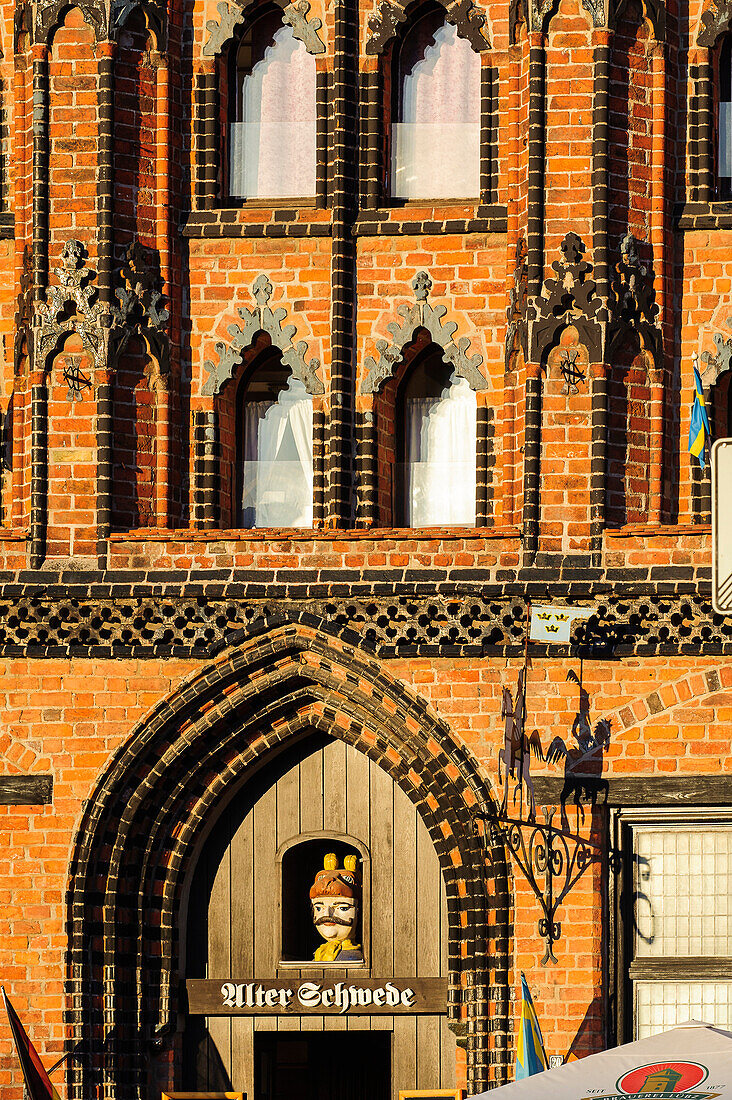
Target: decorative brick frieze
(282,225)
(397,223)
(156,616)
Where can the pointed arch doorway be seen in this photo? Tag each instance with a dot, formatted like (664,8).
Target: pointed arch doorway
(320,795)
(140,839)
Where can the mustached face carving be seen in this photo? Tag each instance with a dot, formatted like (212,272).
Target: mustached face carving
(335,898)
(335,919)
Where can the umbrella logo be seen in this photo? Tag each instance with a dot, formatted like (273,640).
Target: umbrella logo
(661,1079)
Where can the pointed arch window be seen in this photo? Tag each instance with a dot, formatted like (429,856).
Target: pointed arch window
(436,112)
(274,428)
(724,118)
(436,441)
(272,129)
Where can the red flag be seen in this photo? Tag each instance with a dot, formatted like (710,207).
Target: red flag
(37,1081)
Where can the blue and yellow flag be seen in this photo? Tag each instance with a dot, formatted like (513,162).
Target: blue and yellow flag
(530,1057)
(699,430)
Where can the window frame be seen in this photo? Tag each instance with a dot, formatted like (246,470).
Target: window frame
(261,360)
(325,836)
(624,970)
(722,184)
(261,11)
(390,108)
(399,504)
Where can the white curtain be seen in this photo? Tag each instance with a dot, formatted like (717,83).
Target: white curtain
(440,437)
(278,460)
(436,141)
(272,148)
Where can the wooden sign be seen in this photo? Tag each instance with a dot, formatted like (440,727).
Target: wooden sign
(429,1094)
(203,1096)
(362,997)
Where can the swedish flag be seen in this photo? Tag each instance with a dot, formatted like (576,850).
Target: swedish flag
(530,1057)
(699,430)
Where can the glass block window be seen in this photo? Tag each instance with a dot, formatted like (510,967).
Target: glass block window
(679,935)
(661,1005)
(683,881)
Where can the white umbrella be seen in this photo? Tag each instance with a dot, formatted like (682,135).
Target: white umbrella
(689,1062)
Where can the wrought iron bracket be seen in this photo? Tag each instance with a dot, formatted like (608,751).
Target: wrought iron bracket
(550,859)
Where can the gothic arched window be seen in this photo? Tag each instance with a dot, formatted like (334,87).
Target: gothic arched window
(274,445)
(272,113)
(436,110)
(724,118)
(436,445)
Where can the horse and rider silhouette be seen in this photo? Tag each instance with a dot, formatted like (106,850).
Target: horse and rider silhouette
(582,760)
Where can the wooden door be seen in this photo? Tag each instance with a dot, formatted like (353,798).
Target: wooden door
(320,785)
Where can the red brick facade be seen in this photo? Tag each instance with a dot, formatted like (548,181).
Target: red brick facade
(152,651)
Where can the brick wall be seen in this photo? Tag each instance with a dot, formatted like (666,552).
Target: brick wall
(111,594)
(73,131)
(67,717)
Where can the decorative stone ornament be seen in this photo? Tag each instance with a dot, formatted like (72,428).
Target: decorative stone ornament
(715,21)
(428,317)
(335,898)
(231,14)
(633,305)
(570,299)
(720,363)
(139,309)
(262,319)
(468,19)
(71,306)
(105,17)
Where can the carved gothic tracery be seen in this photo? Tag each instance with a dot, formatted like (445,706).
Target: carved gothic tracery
(468,19)
(653,10)
(48,13)
(105,17)
(425,316)
(139,309)
(539,12)
(262,319)
(570,299)
(231,13)
(154,11)
(70,306)
(634,300)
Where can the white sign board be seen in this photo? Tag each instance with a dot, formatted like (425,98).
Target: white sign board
(551,623)
(722,526)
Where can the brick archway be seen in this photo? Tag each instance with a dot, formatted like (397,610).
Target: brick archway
(138,838)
